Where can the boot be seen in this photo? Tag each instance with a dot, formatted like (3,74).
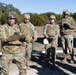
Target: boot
(23,72)
(72,62)
(46,63)
(47,57)
(53,56)
(72,57)
(64,60)
(28,64)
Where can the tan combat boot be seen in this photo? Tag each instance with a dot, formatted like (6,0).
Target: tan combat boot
(72,62)
(64,60)
(28,65)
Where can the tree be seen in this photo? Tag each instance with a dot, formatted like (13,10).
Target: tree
(74,16)
(4,9)
(38,19)
(4,17)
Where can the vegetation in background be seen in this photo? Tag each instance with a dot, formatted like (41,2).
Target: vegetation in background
(36,19)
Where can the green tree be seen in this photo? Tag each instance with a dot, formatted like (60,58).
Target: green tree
(4,17)
(38,19)
(4,9)
(74,16)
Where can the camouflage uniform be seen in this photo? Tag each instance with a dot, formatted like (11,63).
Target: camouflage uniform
(67,27)
(58,34)
(11,51)
(51,31)
(30,33)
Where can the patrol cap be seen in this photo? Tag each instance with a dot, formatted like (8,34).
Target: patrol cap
(66,12)
(12,14)
(26,16)
(52,17)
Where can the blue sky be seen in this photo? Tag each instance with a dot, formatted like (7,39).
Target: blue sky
(42,6)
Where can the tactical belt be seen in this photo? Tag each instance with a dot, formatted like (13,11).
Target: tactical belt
(14,45)
(9,44)
(51,36)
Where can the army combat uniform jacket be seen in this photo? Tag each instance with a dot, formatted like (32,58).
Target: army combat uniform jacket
(51,31)
(68,26)
(5,32)
(29,31)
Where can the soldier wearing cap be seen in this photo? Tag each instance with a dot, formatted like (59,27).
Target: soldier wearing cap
(67,26)
(28,29)
(51,32)
(11,50)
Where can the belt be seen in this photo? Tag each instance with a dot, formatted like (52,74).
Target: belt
(14,45)
(11,45)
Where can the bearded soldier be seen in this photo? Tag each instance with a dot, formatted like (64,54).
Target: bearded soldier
(67,26)
(11,49)
(29,31)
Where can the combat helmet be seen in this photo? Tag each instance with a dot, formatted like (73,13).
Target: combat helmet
(26,16)
(12,14)
(66,12)
(52,17)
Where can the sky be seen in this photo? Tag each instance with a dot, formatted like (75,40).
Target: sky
(42,6)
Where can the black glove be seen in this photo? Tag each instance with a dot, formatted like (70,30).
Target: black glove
(50,39)
(66,26)
(22,39)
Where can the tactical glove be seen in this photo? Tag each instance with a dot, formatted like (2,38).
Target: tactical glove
(22,39)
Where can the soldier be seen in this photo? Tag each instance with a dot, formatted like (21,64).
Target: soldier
(51,32)
(67,27)
(28,29)
(11,50)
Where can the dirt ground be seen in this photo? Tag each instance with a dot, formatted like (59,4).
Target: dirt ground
(38,61)
(37,66)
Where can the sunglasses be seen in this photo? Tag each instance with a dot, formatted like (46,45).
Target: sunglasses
(52,19)
(26,19)
(65,14)
(10,18)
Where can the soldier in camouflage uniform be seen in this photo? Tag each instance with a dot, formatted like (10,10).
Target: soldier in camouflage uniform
(28,29)
(67,26)
(11,50)
(51,32)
